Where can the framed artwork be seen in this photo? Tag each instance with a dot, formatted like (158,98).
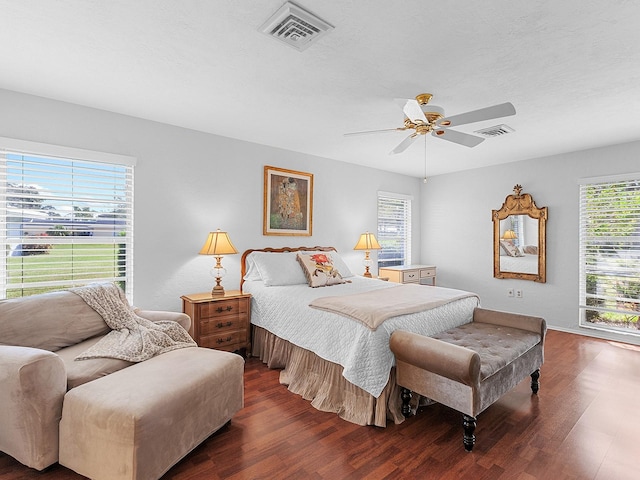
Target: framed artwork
(288,202)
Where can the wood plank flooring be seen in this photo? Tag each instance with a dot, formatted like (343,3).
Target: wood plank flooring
(582,425)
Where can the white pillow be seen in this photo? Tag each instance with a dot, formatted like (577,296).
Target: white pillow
(278,268)
(252,272)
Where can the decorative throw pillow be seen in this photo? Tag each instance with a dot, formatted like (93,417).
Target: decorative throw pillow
(319,269)
(337,260)
(510,249)
(531,249)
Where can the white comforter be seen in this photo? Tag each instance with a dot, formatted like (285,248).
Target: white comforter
(364,354)
(526,264)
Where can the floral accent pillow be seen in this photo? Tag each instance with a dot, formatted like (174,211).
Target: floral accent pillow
(319,270)
(510,249)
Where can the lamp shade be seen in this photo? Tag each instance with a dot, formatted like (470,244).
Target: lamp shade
(367,241)
(509,235)
(218,243)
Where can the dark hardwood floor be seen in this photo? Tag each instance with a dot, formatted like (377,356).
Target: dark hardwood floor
(581,425)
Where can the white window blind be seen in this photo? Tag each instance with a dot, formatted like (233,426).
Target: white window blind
(610,253)
(394,229)
(63,221)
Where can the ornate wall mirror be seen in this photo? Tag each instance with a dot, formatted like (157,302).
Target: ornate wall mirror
(519,233)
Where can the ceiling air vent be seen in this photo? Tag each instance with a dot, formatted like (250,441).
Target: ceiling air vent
(495,131)
(295,27)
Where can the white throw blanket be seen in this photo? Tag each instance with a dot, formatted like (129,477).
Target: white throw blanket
(374,307)
(132,338)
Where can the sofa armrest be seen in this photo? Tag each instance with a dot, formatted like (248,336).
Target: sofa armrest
(514,320)
(34,383)
(158,315)
(445,359)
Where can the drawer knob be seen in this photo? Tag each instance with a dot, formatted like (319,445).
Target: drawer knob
(223,340)
(222,325)
(228,309)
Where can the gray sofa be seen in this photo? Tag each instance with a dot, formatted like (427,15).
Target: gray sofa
(39,338)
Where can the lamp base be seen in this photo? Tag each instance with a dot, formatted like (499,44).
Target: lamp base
(217,291)
(367,274)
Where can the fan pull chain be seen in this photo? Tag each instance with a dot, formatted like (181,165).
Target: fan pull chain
(425,160)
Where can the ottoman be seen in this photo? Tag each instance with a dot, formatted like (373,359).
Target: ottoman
(140,421)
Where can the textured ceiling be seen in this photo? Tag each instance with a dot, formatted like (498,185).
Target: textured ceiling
(570,67)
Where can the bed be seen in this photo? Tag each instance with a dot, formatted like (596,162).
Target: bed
(336,362)
(524,264)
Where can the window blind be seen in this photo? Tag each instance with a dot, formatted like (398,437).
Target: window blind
(64,222)
(394,229)
(610,253)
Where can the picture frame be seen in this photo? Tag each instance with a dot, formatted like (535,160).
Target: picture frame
(288,202)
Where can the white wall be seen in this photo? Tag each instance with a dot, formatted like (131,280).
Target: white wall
(457,232)
(188,183)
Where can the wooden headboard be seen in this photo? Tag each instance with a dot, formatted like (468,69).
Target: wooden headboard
(243,260)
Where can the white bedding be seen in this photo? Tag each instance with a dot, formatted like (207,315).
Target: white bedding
(526,264)
(364,354)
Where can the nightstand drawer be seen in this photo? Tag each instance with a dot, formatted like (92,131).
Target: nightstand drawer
(225,341)
(209,326)
(410,276)
(428,273)
(232,306)
(419,274)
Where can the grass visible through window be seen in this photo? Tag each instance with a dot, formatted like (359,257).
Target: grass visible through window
(61,263)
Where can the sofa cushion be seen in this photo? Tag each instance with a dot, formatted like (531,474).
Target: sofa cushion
(83,371)
(49,321)
(140,421)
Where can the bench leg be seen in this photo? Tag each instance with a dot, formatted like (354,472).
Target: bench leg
(405,395)
(535,384)
(469,426)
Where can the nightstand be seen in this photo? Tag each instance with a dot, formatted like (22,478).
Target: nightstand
(222,323)
(409,273)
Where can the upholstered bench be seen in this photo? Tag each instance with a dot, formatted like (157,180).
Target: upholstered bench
(138,422)
(470,367)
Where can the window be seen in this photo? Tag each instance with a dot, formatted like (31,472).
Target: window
(66,218)
(394,229)
(610,253)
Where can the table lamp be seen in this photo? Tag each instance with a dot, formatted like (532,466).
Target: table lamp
(218,244)
(367,242)
(509,235)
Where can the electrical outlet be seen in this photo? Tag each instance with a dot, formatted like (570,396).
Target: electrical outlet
(518,293)
(510,292)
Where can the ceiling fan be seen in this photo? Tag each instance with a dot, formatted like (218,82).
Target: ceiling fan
(425,118)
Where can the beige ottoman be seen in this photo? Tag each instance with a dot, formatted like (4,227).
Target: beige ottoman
(140,421)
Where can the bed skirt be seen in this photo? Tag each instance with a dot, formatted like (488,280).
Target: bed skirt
(321,382)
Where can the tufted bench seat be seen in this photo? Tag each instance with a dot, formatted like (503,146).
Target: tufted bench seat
(469,367)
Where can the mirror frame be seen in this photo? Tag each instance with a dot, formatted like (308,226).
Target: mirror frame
(521,204)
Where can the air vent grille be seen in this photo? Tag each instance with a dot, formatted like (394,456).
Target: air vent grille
(495,131)
(295,27)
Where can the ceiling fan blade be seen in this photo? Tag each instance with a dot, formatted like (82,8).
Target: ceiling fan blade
(411,109)
(404,144)
(458,137)
(374,131)
(497,111)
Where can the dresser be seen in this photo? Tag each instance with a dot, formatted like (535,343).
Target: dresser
(409,274)
(222,323)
